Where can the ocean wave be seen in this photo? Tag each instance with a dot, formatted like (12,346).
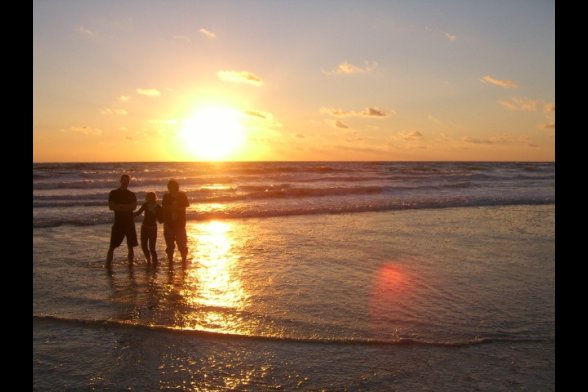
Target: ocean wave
(279,211)
(226,194)
(123,324)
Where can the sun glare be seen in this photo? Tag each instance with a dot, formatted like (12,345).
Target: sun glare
(213,133)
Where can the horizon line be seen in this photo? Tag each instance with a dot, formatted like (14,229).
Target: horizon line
(304,161)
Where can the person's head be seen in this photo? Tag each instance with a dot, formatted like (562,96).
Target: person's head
(173,186)
(150,197)
(124,181)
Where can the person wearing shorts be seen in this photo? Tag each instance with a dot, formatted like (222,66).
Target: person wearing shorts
(174,205)
(123,202)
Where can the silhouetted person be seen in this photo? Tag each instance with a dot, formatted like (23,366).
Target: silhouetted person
(174,220)
(123,202)
(153,214)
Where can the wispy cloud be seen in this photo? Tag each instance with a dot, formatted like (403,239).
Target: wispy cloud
(258,114)
(373,112)
(85,31)
(414,135)
(505,83)
(501,139)
(263,119)
(407,136)
(110,111)
(207,33)
(450,37)
(549,108)
(85,130)
(148,92)
(346,68)
(340,124)
(520,104)
(124,98)
(239,77)
(366,112)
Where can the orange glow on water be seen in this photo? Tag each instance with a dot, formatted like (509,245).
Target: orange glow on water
(390,278)
(390,298)
(212,287)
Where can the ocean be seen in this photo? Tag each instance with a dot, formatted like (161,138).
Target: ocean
(428,276)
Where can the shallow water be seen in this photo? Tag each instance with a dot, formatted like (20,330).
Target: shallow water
(441,299)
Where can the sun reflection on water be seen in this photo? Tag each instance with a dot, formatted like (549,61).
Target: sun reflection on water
(212,288)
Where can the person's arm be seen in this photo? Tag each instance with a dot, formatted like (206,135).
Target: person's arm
(140,210)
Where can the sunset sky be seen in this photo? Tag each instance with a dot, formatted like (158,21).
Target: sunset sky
(293,80)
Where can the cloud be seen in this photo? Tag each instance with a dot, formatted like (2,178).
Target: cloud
(109,112)
(500,83)
(299,136)
(414,135)
(124,98)
(407,136)
(340,124)
(549,108)
(85,31)
(336,112)
(520,103)
(207,33)
(450,37)
(263,119)
(258,114)
(366,112)
(148,92)
(85,130)
(346,68)
(182,39)
(502,139)
(373,112)
(239,77)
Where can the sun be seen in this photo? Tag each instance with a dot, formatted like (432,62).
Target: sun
(212,133)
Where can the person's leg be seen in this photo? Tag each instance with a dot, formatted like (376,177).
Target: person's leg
(116,237)
(152,239)
(131,256)
(131,242)
(144,240)
(182,241)
(109,256)
(169,235)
